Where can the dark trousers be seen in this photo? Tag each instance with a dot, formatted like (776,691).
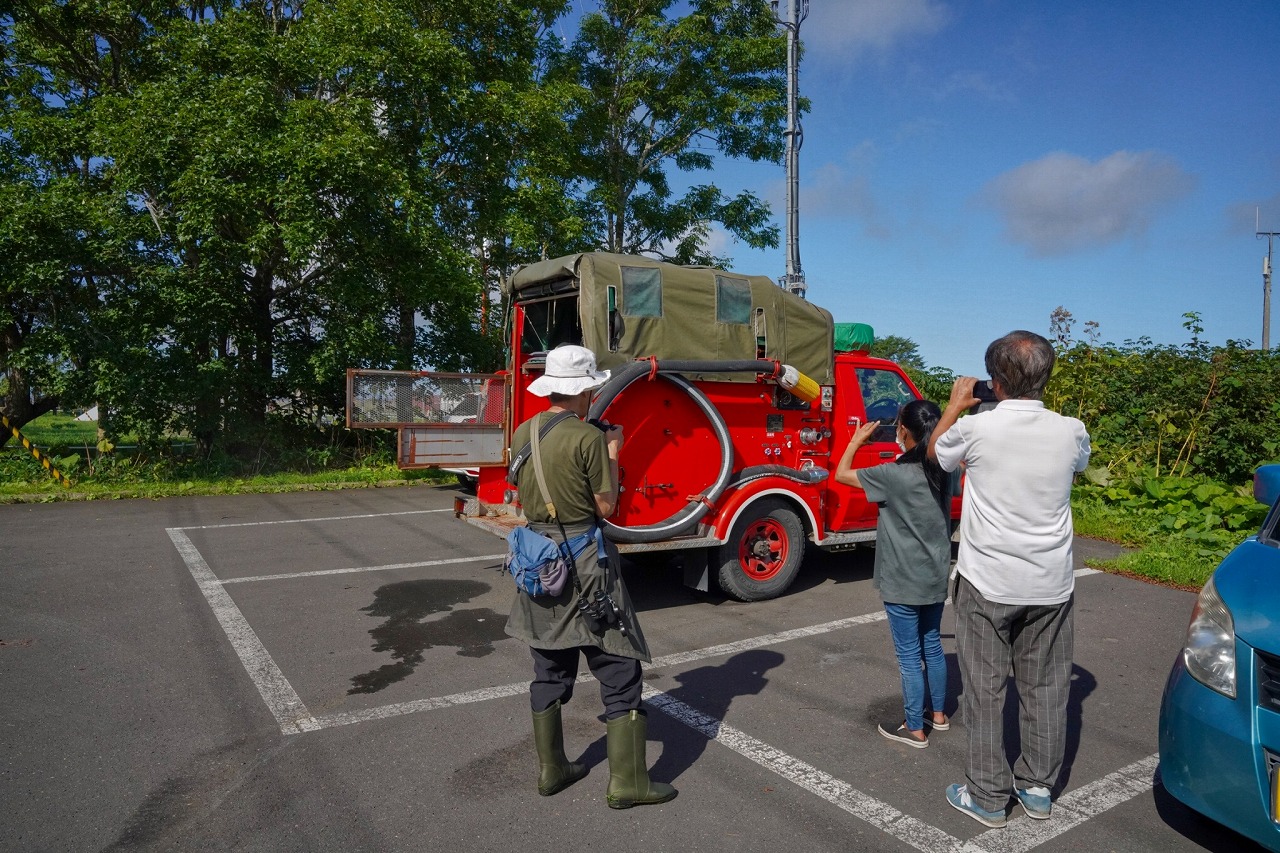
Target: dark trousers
(555,670)
(1036,644)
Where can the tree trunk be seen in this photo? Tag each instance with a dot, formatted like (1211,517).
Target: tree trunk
(18,406)
(407,335)
(258,396)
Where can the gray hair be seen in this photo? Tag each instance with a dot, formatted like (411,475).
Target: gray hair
(1022,363)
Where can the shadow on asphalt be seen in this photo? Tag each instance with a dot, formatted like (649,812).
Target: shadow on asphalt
(710,690)
(656,580)
(1195,827)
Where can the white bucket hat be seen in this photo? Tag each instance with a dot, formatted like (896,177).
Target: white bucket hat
(570,371)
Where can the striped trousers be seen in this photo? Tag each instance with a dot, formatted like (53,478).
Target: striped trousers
(1036,643)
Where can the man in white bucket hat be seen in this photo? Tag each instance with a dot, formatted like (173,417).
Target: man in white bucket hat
(579,465)
(570,370)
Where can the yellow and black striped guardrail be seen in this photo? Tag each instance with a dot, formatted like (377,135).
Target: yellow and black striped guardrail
(35,451)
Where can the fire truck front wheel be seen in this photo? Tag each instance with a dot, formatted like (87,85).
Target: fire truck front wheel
(762,555)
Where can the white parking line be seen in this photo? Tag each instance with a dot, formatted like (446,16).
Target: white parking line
(383,712)
(309,520)
(292,716)
(881,815)
(388,567)
(1019,835)
(1074,808)
(282,700)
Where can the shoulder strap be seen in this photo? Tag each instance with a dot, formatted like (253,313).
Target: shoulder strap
(523,456)
(537,469)
(551,508)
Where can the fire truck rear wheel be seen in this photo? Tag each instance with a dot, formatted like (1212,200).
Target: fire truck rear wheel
(763,553)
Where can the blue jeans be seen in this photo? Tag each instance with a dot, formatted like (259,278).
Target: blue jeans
(915,637)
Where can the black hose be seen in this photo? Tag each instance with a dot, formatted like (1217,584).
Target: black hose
(636,369)
(807,476)
(685,519)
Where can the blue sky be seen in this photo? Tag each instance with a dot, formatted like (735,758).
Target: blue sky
(969,166)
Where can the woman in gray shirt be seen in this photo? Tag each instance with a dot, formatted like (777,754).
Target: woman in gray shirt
(913,556)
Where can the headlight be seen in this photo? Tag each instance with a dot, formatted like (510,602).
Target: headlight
(1210,651)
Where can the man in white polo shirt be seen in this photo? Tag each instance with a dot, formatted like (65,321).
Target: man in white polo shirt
(1015,579)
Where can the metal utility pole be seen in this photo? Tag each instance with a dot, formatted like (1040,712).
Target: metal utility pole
(1266,280)
(797,11)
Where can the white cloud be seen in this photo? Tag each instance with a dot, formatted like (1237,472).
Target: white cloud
(1253,216)
(1062,202)
(720,243)
(976,83)
(833,192)
(837,191)
(844,28)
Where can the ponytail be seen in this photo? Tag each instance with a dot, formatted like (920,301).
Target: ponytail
(919,417)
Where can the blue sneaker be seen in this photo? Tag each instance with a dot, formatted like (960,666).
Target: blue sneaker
(1035,802)
(958,796)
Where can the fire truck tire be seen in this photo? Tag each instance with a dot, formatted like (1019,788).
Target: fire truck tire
(763,553)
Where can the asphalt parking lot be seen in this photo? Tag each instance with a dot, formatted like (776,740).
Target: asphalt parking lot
(329,671)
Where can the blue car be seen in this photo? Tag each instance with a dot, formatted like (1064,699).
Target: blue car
(1220,715)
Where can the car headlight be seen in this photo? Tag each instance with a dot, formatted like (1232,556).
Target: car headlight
(1210,650)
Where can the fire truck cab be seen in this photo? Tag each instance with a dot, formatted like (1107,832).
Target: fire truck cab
(736,396)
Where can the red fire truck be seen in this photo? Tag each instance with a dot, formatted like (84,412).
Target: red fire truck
(737,398)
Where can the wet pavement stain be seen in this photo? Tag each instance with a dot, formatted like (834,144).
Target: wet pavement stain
(500,773)
(186,806)
(409,631)
(512,770)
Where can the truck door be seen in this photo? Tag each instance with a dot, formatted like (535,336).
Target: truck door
(881,391)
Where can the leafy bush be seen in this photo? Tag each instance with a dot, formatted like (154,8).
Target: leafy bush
(1177,410)
(1207,515)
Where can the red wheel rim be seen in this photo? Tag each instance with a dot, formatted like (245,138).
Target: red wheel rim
(763,549)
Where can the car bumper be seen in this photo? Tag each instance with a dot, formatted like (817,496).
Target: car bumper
(1219,755)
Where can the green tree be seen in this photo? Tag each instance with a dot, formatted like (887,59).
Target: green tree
(277,192)
(661,92)
(934,383)
(902,351)
(70,244)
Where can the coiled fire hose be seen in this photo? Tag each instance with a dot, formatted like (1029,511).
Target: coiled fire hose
(687,517)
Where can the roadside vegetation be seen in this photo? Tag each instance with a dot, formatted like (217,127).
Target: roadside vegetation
(213,211)
(348,460)
(1177,432)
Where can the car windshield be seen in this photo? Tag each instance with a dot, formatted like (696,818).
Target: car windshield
(883,394)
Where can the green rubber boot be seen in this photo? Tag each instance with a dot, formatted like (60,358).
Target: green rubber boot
(555,771)
(629,783)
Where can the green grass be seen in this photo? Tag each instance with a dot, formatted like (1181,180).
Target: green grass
(1160,556)
(1098,521)
(35,484)
(63,430)
(120,474)
(1174,562)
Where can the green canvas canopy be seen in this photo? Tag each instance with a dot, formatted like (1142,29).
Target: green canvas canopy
(633,307)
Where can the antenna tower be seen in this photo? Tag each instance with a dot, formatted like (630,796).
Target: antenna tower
(1258,234)
(797,11)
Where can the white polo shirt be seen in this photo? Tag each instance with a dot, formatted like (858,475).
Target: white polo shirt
(1015,530)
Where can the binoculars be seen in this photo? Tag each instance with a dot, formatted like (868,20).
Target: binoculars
(601,613)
